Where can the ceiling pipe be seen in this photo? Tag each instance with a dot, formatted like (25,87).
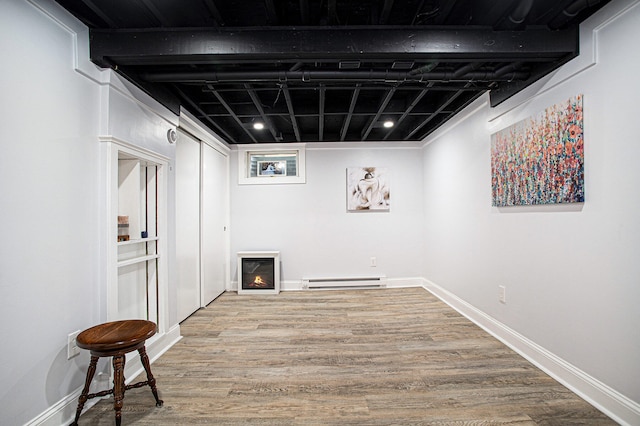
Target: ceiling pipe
(570,12)
(462,71)
(309,76)
(516,17)
(512,68)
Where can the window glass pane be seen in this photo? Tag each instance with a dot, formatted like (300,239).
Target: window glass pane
(272,164)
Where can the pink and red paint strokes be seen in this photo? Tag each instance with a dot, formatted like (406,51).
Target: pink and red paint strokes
(540,160)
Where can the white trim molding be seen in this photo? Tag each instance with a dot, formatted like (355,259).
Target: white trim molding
(611,402)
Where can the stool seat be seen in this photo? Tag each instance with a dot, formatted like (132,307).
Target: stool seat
(116,336)
(116,339)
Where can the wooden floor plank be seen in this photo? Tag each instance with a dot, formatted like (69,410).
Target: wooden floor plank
(361,357)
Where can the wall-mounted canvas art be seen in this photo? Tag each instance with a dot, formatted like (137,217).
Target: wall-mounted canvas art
(367,189)
(540,160)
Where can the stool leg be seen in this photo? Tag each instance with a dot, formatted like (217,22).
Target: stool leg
(85,391)
(150,379)
(118,386)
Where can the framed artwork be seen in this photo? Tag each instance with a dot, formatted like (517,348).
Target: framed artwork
(367,189)
(540,160)
(272,168)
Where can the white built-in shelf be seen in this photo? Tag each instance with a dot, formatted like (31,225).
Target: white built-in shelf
(137,260)
(137,241)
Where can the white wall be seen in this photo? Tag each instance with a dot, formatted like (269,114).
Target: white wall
(309,225)
(49,194)
(572,273)
(54,105)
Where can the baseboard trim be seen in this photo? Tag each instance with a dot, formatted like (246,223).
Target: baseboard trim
(64,410)
(611,402)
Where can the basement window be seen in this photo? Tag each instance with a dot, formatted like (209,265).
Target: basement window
(271,164)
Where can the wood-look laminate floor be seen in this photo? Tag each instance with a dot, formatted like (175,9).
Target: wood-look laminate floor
(361,357)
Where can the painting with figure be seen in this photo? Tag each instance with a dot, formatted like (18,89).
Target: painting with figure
(540,160)
(367,189)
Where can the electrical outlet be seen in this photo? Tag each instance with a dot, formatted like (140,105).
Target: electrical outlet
(72,346)
(502,294)
(374,262)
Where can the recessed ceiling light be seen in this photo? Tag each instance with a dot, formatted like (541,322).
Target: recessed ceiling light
(258,126)
(388,124)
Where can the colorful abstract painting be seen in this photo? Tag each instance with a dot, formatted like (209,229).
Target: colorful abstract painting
(540,160)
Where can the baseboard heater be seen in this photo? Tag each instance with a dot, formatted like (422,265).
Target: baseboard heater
(344,283)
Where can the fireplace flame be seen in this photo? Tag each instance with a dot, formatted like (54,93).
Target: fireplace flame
(259,282)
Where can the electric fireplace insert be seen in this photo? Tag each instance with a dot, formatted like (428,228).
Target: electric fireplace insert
(259,272)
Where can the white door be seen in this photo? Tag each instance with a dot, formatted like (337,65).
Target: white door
(213,221)
(187,170)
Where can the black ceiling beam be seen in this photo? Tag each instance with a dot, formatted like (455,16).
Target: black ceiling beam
(215,13)
(271,12)
(332,12)
(292,115)
(232,113)
(304,12)
(317,76)
(204,46)
(409,87)
(352,106)
(321,114)
(407,111)
(375,118)
(95,9)
(509,88)
(256,101)
(386,11)
(155,12)
(435,113)
(203,114)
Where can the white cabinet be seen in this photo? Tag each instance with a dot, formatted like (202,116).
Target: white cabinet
(137,273)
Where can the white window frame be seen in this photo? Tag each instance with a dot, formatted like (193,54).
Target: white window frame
(245,152)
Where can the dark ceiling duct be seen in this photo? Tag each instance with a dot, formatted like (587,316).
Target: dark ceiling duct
(516,18)
(571,12)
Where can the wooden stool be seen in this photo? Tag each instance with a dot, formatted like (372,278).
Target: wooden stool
(116,339)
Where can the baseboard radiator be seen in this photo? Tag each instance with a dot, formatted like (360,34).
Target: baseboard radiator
(344,283)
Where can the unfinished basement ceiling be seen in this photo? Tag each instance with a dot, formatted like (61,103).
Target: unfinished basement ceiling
(327,71)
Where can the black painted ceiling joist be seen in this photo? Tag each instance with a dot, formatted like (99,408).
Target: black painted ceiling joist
(198,46)
(231,63)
